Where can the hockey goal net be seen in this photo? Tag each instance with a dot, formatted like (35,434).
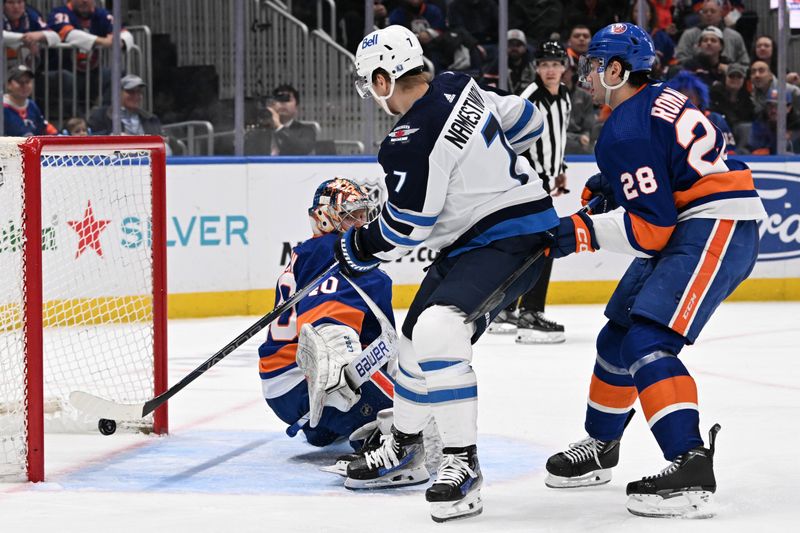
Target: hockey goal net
(83,290)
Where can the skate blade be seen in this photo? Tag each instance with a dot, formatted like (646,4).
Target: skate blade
(501,329)
(405,478)
(598,477)
(340,468)
(689,504)
(469,505)
(540,338)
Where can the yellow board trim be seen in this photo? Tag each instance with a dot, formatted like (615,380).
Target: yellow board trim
(259,302)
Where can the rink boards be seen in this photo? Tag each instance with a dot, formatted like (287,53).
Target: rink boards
(231,223)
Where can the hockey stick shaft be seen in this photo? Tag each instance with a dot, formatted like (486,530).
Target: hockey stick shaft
(499,294)
(80,399)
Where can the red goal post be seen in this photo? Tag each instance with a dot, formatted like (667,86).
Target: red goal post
(84,250)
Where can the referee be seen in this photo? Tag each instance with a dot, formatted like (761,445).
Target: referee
(551,97)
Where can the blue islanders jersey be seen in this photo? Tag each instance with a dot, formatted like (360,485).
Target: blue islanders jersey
(453,173)
(333,302)
(63,19)
(666,162)
(24,122)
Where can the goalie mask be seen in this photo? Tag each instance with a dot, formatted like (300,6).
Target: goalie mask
(340,204)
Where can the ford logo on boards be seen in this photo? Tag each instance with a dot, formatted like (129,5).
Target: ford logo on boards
(780,231)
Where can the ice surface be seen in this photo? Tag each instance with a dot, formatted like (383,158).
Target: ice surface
(228,466)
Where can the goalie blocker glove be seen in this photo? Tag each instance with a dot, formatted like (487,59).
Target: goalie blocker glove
(598,185)
(574,234)
(353,261)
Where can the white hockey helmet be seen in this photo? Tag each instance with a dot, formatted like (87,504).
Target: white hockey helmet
(395,49)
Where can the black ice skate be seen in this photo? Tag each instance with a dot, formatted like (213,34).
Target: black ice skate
(534,328)
(504,324)
(682,490)
(398,461)
(585,463)
(372,442)
(457,490)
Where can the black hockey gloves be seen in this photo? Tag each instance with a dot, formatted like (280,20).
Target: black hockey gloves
(352,261)
(573,235)
(597,185)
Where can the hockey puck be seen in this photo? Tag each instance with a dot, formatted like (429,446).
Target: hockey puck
(106,426)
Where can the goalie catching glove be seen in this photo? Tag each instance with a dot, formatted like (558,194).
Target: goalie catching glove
(323,353)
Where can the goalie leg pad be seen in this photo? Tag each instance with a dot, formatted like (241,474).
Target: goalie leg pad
(323,352)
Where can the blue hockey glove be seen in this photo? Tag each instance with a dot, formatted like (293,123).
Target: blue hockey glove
(596,185)
(573,235)
(352,261)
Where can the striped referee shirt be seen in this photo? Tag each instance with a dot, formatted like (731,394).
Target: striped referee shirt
(547,153)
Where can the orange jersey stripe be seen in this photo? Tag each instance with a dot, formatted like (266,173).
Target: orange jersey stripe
(678,389)
(280,359)
(64,31)
(647,235)
(383,384)
(704,275)
(735,180)
(611,396)
(347,315)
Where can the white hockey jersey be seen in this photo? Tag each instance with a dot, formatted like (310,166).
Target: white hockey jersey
(453,174)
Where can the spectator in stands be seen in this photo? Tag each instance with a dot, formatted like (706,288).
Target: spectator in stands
(411,10)
(708,63)
(731,98)
(280,132)
(351,18)
(134,119)
(764,82)
(521,71)
(764,49)
(538,19)
(578,42)
(665,46)
(692,86)
(711,15)
(594,13)
(76,126)
(764,136)
(24,30)
(22,116)
(581,118)
(86,26)
(479,19)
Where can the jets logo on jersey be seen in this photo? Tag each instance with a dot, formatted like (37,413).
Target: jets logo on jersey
(402,133)
(618,28)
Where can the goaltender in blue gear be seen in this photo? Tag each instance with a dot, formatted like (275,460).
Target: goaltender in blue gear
(457,183)
(689,217)
(336,311)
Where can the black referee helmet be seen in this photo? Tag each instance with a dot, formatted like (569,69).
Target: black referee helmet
(551,51)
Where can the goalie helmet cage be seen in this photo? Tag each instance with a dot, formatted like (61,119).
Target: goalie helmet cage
(78,309)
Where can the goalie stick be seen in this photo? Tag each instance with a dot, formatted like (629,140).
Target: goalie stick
(370,360)
(499,294)
(102,408)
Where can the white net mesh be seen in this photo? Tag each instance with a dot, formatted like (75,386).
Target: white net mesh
(12,340)
(97,291)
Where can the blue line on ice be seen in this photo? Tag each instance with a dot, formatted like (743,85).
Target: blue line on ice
(248,462)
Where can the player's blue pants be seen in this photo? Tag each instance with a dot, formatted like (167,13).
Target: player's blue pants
(659,305)
(435,371)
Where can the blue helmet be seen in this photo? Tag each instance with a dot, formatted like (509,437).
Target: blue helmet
(626,41)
